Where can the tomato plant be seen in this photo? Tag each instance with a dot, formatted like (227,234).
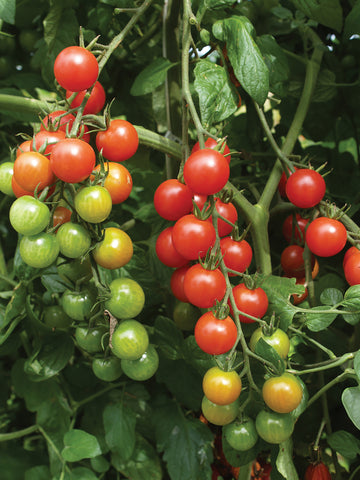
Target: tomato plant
(237,255)
(228,211)
(90,339)
(219,414)
(294,228)
(221,387)
(166,251)
(212,143)
(40,250)
(77,304)
(76,68)
(55,317)
(185,315)
(31,170)
(177,283)
(118,181)
(74,240)
(317,471)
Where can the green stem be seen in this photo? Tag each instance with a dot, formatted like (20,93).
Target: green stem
(158,142)
(23,104)
(86,400)
(336,363)
(340,378)
(4,437)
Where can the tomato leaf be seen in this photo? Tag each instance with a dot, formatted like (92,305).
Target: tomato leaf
(344,443)
(351,401)
(267,352)
(15,306)
(40,472)
(81,473)
(216,96)
(119,423)
(193,354)
(186,443)
(357,364)
(151,77)
(276,62)
(100,464)
(331,296)
(144,462)
(244,55)
(60,27)
(326,12)
(79,445)
(352,21)
(284,461)
(168,337)
(7,11)
(315,321)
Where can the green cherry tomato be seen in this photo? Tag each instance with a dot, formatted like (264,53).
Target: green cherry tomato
(93,204)
(77,305)
(39,251)
(219,414)
(55,317)
(126,299)
(28,215)
(185,315)
(74,239)
(278,340)
(241,435)
(6,173)
(129,340)
(274,427)
(107,369)
(144,367)
(90,339)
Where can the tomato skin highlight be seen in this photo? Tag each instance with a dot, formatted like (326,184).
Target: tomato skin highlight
(72,160)
(221,387)
(173,199)
(305,188)
(193,237)
(254,302)
(76,68)
(283,393)
(119,142)
(204,287)
(274,427)
(326,237)
(215,336)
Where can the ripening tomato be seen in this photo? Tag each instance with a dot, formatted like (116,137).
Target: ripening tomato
(317,471)
(305,188)
(325,236)
(282,393)
(173,199)
(213,144)
(297,298)
(204,287)
(118,181)
(119,141)
(278,339)
(241,435)
(61,215)
(221,387)
(115,250)
(72,160)
(76,68)
(237,255)
(193,237)
(253,302)
(166,252)
(25,146)
(229,212)
(294,228)
(31,170)
(213,335)
(94,103)
(19,191)
(220,414)
(177,283)
(206,171)
(93,203)
(274,427)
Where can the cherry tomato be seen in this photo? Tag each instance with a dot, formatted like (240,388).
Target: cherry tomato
(241,435)
(206,171)
(93,203)
(177,283)
(61,215)
(282,393)
(221,387)
(215,336)
(77,304)
(166,252)
(72,160)
(45,140)
(55,317)
(115,250)
(173,199)
(39,251)
(237,255)
(74,239)
(219,414)
(142,368)
(326,237)
(58,120)
(278,340)
(274,427)
(282,183)
(292,261)
(76,68)
(317,471)
(229,212)
(294,229)
(253,302)
(305,188)
(126,299)
(200,200)
(352,269)
(211,143)
(204,287)
(19,191)
(94,103)
(129,340)
(349,253)
(90,339)
(6,174)
(193,237)
(107,369)
(28,215)
(31,170)
(118,181)
(119,142)
(185,316)
(297,298)
(25,146)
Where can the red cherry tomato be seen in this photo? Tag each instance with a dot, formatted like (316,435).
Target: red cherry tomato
(119,142)
(72,160)
(282,183)
(215,336)
(61,215)
(305,188)
(204,287)
(24,147)
(213,144)
(294,229)
(253,302)
(237,255)
(352,269)
(193,237)
(326,237)
(177,283)
(58,120)
(33,169)
(46,140)
(349,253)
(292,261)
(76,68)
(229,212)
(166,252)
(200,200)
(95,102)
(118,181)
(317,471)
(173,199)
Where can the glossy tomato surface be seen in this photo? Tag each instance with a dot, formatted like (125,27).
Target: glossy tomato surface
(74,239)
(119,142)
(166,251)
(215,336)
(193,237)
(237,255)
(94,103)
(326,237)
(173,199)
(107,369)
(91,339)
(31,170)
(118,181)
(241,435)
(221,387)
(77,304)
(76,68)
(115,250)
(28,215)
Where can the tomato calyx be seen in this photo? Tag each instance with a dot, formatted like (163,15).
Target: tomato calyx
(212,259)
(221,310)
(207,210)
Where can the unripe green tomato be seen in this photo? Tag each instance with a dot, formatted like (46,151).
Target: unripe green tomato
(6,173)
(142,368)
(107,369)
(90,339)
(129,340)
(7,44)
(278,340)
(74,240)
(55,317)
(205,36)
(39,251)
(28,39)
(28,215)
(185,315)
(126,299)
(77,305)
(219,414)
(274,427)
(241,435)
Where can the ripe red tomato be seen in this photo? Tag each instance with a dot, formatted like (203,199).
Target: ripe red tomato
(229,212)
(24,147)
(292,261)
(215,336)
(76,68)
(200,200)
(72,160)
(58,120)
(282,183)
(213,144)
(352,269)
(221,387)
(326,237)
(177,283)
(237,255)
(93,203)
(305,188)
(349,253)
(173,199)
(193,237)
(204,287)
(119,142)
(294,229)
(166,251)
(115,250)
(33,169)
(317,471)
(45,140)
(206,171)
(254,302)
(118,181)
(282,393)
(94,103)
